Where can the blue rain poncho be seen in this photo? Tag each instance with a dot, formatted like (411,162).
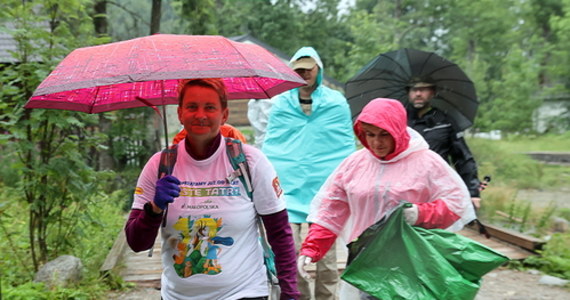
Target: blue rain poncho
(306,149)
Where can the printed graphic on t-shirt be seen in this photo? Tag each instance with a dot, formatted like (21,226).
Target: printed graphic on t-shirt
(277,187)
(214,188)
(199,245)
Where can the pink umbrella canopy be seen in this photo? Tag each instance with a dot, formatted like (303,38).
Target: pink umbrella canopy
(146,71)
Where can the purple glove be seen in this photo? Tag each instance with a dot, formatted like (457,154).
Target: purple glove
(166,190)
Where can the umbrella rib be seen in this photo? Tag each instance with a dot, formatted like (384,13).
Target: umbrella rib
(450,66)
(377,79)
(430,55)
(92,106)
(395,92)
(397,64)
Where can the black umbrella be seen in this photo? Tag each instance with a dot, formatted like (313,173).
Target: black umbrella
(390,74)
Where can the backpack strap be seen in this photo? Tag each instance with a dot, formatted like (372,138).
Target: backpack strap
(238,160)
(241,169)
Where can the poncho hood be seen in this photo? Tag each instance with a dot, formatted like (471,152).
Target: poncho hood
(390,115)
(310,52)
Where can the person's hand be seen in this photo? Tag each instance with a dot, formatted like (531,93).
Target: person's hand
(302,262)
(411,214)
(166,190)
(476,202)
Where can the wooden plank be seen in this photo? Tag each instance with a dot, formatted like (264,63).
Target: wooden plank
(142,269)
(524,241)
(511,251)
(115,254)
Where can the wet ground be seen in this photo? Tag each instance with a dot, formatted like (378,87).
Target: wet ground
(500,284)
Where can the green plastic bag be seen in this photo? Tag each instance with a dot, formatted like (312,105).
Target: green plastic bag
(393,260)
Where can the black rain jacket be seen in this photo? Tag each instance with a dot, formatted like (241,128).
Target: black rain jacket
(439,132)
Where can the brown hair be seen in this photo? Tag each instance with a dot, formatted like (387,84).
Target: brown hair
(214,83)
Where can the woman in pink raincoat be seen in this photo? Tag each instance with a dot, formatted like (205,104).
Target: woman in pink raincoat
(395,165)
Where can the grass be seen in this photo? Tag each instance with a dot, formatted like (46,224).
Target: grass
(512,170)
(549,142)
(507,163)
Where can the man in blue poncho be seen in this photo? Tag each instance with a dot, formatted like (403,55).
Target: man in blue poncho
(308,134)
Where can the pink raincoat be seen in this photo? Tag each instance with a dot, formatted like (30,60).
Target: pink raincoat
(364,187)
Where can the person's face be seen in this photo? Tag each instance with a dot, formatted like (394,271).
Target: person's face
(379,140)
(201,113)
(310,75)
(421,96)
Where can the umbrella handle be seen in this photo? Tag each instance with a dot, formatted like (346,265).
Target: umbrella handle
(164,216)
(165,125)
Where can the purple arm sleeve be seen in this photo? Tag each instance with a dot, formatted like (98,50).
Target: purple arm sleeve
(280,237)
(141,230)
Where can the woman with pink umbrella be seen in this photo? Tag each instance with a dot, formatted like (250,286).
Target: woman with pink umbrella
(208,209)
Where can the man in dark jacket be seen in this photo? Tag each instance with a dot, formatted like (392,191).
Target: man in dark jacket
(440,133)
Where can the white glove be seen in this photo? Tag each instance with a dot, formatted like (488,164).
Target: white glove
(411,214)
(302,262)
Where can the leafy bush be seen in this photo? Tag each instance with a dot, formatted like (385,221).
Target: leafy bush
(555,257)
(32,290)
(93,237)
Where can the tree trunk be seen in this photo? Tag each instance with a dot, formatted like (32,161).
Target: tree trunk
(103,159)
(155,16)
(100,18)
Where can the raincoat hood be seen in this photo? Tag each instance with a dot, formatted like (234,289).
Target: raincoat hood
(389,115)
(310,52)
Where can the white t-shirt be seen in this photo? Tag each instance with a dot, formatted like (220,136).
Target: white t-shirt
(210,245)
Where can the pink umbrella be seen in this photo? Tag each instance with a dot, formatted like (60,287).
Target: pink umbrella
(146,71)
(117,75)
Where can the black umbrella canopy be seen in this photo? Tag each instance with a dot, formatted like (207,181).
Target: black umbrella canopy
(389,75)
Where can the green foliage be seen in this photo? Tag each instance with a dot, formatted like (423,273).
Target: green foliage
(534,142)
(514,102)
(514,169)
(514,51)
(31,290)
(48,149)
(545,217)
(554,259)
(91,239)
(129,137)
